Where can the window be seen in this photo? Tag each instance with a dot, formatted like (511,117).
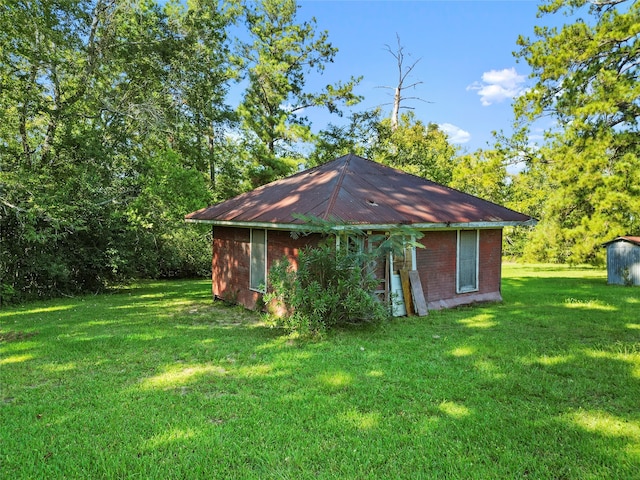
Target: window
(467,261)
(355,244)
(258,265)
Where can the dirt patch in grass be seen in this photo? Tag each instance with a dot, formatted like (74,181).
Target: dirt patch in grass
(16,336)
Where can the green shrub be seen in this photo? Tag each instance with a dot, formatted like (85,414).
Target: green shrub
(330,287)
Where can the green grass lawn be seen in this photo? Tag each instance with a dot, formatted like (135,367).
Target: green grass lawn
(157,381)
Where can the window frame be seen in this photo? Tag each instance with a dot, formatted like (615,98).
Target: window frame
(354,243)
(261,288)
(476,286)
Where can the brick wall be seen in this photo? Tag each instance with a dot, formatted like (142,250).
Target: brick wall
(230,265)
(231,260)
(490,273)
(437,266)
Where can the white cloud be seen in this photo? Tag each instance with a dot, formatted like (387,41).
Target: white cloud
(456,134)
(499,85)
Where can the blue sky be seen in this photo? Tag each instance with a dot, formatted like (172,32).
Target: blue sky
(465,49)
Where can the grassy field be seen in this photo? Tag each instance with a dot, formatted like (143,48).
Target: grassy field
(157,381)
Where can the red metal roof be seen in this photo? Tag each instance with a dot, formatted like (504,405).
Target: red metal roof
(634,240)
(357,191)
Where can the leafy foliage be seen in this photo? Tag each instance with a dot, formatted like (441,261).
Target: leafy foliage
(330,286)
(358,136)
(278,58)
(416,148)
(334,283)
(412,146)
(114,124)
(482,174)
(103,151)
(587,80)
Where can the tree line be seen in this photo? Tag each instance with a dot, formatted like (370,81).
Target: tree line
(117,121)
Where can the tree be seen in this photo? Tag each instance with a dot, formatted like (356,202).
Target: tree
(97,97)
(54,175)
(416,148)
(403,74)
(482,174)
(201,71)
(335,281)
(587,80)
(358,136)
(279,55)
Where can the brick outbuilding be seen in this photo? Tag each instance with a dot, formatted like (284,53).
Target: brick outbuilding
(462,234)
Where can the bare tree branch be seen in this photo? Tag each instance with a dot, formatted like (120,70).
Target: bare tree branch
(403,74)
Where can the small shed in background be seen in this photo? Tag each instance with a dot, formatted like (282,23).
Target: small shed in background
(623,261)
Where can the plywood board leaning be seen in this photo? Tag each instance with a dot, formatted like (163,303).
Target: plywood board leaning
(406,292)
(418,295)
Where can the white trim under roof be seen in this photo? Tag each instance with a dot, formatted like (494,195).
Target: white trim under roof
(377,227)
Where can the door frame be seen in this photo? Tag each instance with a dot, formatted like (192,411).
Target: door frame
(398,308)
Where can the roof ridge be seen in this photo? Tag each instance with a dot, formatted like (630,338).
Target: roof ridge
(336,190)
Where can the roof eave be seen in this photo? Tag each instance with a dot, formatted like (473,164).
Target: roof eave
(372,226)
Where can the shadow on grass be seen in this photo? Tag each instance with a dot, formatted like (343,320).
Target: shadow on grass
(165,383)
